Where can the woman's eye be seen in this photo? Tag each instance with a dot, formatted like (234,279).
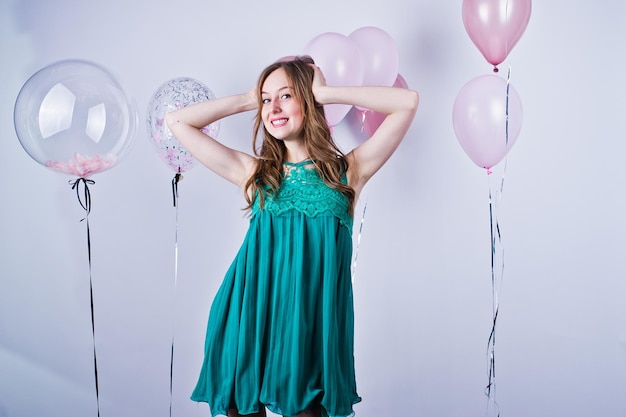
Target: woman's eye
(285,96)
(265,100)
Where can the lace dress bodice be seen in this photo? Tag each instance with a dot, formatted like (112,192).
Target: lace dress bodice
(302,189)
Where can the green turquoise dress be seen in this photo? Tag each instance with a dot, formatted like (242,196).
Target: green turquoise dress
(281,327)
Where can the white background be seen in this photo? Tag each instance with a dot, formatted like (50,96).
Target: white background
(422,283)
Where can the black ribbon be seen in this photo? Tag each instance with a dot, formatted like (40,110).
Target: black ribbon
(171,374)
(85,203)
(175,182)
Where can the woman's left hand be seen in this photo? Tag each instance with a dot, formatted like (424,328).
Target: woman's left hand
(319,82)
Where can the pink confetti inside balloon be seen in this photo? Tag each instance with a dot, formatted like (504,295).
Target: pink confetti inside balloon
(172,95)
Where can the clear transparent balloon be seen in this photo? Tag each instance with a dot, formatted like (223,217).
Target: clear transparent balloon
(172,95)
(74,117)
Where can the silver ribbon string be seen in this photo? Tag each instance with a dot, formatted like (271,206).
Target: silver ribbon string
(177,178)
(358,241)
(497,267)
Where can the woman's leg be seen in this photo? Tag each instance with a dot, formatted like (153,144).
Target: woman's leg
(311,413)
(235,413)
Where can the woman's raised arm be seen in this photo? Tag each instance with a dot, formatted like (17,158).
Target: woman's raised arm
(185,124)
(399,104)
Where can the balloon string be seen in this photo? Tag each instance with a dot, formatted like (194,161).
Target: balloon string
(508,86)
(85,203)
(175,182)
(497,254)
(177,178)
(363,117)
(358,241)
(490,390)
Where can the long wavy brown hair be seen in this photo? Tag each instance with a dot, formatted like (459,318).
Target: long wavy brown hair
(328,159)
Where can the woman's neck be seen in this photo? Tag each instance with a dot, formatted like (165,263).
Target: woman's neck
(296,152)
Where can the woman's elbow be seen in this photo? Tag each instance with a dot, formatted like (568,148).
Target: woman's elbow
(170,119)
(413,100)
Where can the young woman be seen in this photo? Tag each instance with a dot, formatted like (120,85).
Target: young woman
(281,329)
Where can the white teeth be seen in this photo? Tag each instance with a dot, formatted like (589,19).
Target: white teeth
(279,122)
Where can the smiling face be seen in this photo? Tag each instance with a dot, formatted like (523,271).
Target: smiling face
(281,111)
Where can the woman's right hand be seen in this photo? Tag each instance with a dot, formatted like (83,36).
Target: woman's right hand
(186,124)
(253,98)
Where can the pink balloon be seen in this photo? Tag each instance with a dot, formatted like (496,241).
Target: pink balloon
(379,55)
(286,58)
(372,119)
(495,26)
(400,82)
(480,119)
(339,59)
